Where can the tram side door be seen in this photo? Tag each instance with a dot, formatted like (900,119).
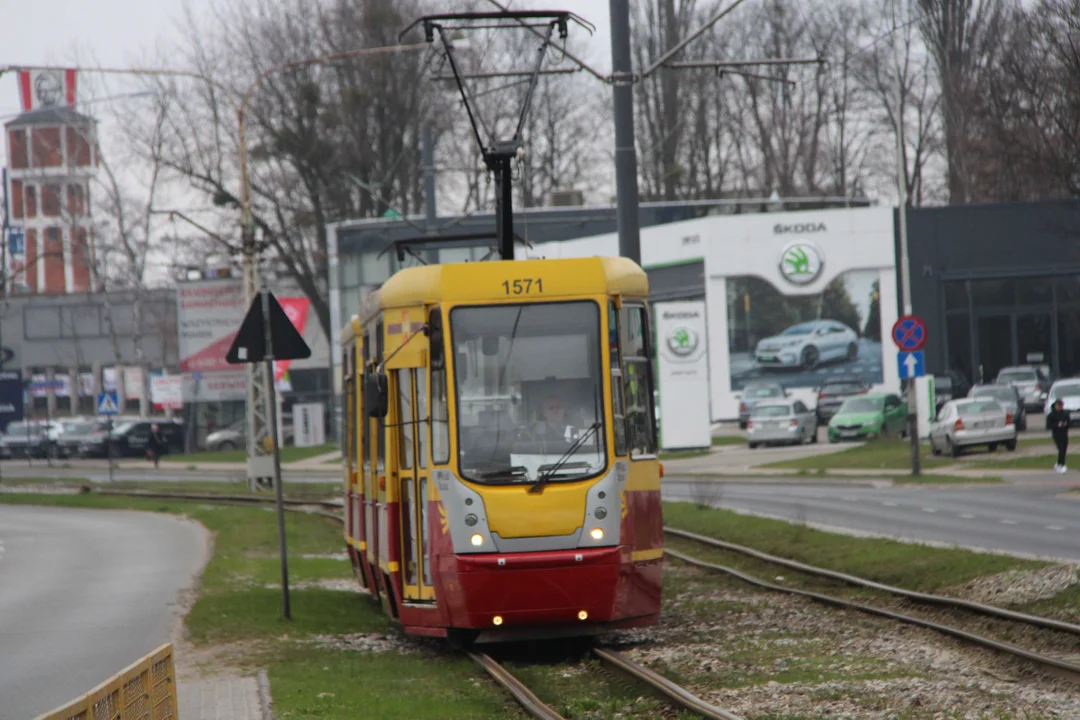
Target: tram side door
(412,446)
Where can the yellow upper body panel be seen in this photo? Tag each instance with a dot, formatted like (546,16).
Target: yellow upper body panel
(351,332)
(508,280)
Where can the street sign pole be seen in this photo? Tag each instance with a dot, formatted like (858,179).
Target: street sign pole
(909,334)
(278,492)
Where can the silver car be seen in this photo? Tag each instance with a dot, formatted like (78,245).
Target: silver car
(781,422)
(808,344)
(969,422)
(1068,392)
(754,393)
(1008,397)
(1029,381)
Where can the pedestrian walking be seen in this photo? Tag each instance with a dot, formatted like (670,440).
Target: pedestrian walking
(155,444)
(1057,422)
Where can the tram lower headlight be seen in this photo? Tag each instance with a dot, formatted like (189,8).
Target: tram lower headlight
(597,534)
(497,620)
(600,513)
(471,519)
(477,539)
(582,615)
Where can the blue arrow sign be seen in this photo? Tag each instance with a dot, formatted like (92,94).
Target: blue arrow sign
(108,404)
(911,364)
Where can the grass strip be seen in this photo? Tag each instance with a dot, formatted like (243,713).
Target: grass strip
(320,490)
(907,565)
(307,681)
(288,454)
(890,454)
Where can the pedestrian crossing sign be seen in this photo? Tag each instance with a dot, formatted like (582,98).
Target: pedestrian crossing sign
(108,404)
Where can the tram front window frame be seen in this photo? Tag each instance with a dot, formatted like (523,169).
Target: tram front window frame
(514,365)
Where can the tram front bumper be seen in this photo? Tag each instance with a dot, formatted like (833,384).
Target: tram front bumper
(538,588)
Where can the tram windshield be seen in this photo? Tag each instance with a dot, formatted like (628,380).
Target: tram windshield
(529,392)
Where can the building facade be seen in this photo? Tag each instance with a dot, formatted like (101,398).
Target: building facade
(998,285)
(52,156)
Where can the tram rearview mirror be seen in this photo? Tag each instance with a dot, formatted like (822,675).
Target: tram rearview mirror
(375,395)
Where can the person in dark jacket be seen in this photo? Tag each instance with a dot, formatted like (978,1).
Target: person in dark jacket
(155,445)
(1057,422)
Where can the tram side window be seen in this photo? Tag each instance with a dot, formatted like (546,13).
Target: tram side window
(440,413)
(638,382)
(618,412)
(404,419)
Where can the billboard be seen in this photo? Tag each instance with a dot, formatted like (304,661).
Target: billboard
(798,341)
(683,374)
(209,313)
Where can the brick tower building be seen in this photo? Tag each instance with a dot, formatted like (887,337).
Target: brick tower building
(52,157)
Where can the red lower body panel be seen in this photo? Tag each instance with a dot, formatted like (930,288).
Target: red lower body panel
(548,588)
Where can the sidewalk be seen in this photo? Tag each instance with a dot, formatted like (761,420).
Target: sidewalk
(235,698)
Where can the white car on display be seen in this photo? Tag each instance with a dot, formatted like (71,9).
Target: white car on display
(808,344)
(1068,391)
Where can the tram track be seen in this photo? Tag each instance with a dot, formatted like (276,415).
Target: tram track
(1057,665)
(675,695)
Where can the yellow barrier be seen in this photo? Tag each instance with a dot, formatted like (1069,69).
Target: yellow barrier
(145,690)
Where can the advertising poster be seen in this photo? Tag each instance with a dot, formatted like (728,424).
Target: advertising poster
(799,340)
(11,397)
(683,374)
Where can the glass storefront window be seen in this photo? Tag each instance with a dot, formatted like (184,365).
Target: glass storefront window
(993,293)
(955,292)
(958,330)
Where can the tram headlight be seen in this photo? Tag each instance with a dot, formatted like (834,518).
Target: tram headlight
(471,519)
(597,534)
(477,540)
(600,513)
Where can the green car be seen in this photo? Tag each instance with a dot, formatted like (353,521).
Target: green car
(864,417)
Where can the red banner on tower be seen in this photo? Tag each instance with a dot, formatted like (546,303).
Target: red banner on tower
(46,88)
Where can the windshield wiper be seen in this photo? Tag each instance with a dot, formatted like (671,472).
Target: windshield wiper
(538,486)
(512,472)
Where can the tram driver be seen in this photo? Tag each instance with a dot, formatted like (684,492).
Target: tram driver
(552,427)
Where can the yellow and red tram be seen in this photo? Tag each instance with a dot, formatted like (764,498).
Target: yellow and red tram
(502,478)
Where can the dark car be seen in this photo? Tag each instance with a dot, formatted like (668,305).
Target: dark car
(834,391)
(131,439)
(960,385)
(944,391)
(1008,397)
(753,393)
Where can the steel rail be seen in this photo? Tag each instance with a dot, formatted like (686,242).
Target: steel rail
(532,705)
(676,693)
(1071,669)
(992,610)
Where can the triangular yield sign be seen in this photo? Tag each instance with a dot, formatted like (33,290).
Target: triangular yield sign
(250,343)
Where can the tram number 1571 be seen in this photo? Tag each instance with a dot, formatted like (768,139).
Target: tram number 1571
(523,286)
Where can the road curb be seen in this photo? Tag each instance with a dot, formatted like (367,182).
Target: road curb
(266,703)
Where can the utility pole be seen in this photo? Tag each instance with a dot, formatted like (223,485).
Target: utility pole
(622,81)
(905,267)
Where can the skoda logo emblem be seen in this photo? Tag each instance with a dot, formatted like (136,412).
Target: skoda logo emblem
(682,341)
(801,262)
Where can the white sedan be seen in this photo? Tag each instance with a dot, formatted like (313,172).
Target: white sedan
(969,422)
(808,344)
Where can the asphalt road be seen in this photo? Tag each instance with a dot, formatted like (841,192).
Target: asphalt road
(866,365)
(83,594)
(1030,519)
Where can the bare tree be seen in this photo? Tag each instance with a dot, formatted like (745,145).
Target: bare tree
(960,35)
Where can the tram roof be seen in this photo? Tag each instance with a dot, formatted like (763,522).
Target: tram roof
(479,281)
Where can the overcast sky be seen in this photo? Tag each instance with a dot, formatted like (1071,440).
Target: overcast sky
(116,32)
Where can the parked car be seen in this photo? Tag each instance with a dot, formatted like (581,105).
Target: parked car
(1008,397)
(833,391)
(26,438)
(1030,381)
(970,422)
(960,385)
(943,391)
(753,393)
(808,344)
(130,439)
(1068,391)
(781,422)
(869,416)
(234,437)
(86,438)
